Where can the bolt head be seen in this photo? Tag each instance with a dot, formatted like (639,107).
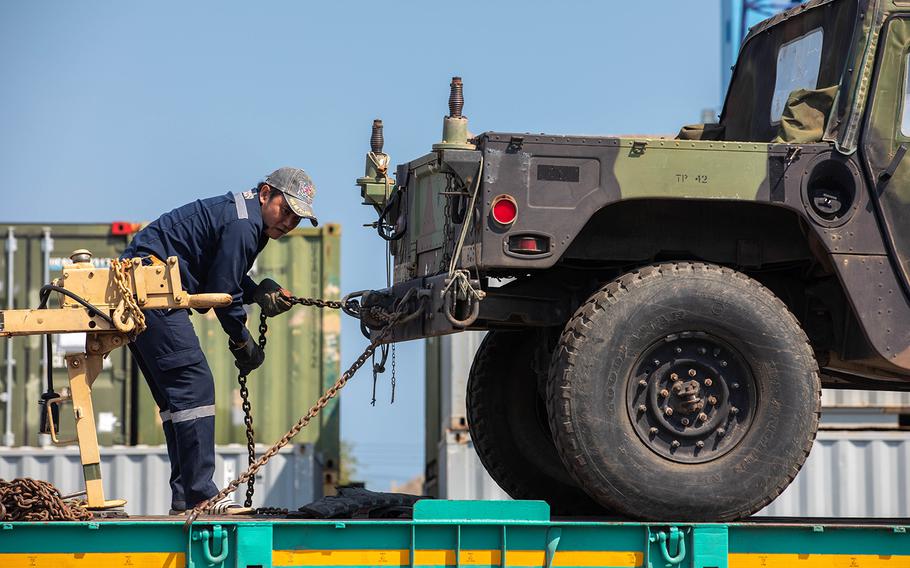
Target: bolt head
(708,382)
(702,351)
(699,444)
(735,385)
(75,363)
(642,407)
(685,421)
(652,431)
(702,416)
(723,363)
(678,350)
(674,377)
(642,383)
(656,362)
(734,411)
(712,400)
(692,372)
(721,432)
(664,393)
(668,411)
(674,444)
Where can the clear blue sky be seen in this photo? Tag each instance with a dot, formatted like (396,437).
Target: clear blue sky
(124,110)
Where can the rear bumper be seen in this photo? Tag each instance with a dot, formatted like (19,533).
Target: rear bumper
(428,309)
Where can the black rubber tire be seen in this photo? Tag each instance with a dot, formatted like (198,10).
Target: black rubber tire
(598,353)
(509,428)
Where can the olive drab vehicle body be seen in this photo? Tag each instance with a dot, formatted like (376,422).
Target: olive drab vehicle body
(797,202)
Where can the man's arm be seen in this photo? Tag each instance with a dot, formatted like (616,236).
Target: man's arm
(249,288)
(228,275)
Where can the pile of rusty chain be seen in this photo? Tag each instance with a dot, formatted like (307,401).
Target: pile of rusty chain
(131,308)
(27,499)
(304,420)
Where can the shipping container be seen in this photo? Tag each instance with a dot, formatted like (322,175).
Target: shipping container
(302,355)
(140,474)
(849,473)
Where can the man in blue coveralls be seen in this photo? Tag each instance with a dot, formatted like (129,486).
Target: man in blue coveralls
(216,241)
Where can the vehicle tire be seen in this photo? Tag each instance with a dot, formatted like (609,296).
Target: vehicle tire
(509,427)
(723,354)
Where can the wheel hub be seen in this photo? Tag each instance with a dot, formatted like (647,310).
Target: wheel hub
(691,397)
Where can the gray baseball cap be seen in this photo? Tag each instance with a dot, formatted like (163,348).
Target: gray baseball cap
(298,190)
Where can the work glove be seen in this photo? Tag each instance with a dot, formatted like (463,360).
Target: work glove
(247,356)
(272,298)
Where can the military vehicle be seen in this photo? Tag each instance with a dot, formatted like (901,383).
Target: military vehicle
(662,313)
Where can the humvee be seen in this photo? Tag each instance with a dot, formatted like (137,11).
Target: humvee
(663,312)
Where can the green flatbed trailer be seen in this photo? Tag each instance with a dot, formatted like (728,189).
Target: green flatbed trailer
(457,533)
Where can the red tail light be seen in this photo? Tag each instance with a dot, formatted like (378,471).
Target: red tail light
(504,209)
(529,244)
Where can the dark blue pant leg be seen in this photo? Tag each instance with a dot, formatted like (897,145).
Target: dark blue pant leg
(179,369)
(178,499)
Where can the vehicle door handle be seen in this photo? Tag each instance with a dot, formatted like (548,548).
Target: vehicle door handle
(895,162)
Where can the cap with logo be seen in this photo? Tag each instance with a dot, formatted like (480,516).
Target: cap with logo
(298,190)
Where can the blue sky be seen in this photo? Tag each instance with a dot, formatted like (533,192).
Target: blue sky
(124,110)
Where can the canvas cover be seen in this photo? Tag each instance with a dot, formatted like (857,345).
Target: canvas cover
(805,116)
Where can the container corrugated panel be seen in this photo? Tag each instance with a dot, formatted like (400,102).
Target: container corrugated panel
(302,351)
(851,474)
(38,254)
(140,474)
(858,399)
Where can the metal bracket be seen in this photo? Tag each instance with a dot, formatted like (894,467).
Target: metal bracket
(553,536)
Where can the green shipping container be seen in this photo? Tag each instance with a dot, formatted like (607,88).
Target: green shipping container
(302,355)
(38,253)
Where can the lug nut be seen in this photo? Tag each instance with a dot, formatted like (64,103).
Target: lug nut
(674,377)
(734,411)
(685,421)
(712,400)
(721,432)
(668,411)
(642,407)
(708,382)
(723,363)
(664,393)
(678,350)
(642,383)
(674,444)
(691,372)
(652,431)
(656,362)
(735,385)
(702,416)
(699,444)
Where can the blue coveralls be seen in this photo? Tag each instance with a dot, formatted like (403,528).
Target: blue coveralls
(216,241)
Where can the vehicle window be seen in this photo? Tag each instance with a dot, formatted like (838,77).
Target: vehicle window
(905,113)
(798,63)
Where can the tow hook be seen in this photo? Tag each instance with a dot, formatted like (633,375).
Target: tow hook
(461,299)
(668,542)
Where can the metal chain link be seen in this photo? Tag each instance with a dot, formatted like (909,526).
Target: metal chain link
(303,421)
(27,499)
(248,414)
(131,311)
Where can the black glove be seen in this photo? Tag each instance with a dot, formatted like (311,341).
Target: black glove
(247,356)
(272,298)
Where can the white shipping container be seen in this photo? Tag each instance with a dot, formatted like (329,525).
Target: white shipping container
(140,474)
